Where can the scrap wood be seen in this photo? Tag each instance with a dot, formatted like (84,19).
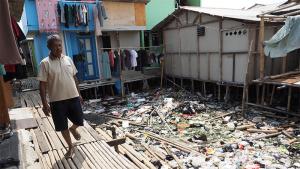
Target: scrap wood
(261,131)
(138,159)
(167,141)
(246,126)
(154,154)
(221,116)
(291,141)
(267,136)
(174,156)
(287,134)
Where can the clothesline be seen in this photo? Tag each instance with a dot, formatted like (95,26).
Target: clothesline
(130,48)
(91,2)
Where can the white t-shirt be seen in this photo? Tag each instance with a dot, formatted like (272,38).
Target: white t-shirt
(134,55)
(59,74)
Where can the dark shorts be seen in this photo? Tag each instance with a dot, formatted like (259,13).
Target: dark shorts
(66,109)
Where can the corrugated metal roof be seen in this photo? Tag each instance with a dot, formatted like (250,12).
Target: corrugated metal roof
(242,14)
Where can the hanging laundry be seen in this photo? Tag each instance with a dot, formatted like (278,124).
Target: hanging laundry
(9,43)
(133,61)
(127,58)
(66,10)
(77,15)
(101,13)
(70,14)
(85,15)
(106,66)
(111,59)
(46,11)
(98,31)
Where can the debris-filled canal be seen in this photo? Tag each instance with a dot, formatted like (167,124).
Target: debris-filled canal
(177,129)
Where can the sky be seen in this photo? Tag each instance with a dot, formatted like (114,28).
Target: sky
(237,4)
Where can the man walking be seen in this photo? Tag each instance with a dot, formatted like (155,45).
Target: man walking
(57,76)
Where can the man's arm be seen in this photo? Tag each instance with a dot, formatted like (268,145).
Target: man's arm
(77,86)
(46,107)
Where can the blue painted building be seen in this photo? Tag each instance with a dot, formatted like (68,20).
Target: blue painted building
(121,29)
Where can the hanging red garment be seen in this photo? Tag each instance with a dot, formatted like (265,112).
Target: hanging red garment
(8,46)
(111,58)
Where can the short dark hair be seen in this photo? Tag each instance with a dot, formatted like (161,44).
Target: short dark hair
(52,38)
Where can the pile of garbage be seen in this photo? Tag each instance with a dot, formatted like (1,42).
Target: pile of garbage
(177,129)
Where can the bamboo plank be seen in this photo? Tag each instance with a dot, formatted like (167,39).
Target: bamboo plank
(81,159)
(128,165)
(92,132)
(41,124)
(85,157)
(52,159)
(48,161)
(94,156)
(69,160)
(47,124)
(54,140)
(101,155)
(63,160)
(109,156)
(38,151)
(41,140)
(58,160)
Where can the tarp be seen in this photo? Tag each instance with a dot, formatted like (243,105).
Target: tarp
(285,40)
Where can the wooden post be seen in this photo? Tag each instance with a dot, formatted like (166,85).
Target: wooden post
(204,89)
(219,92)
(284,59)
(263,94)
(246,81)
(289,99)
(261,48)
(257,93)
(272,95)
(226,98)
(181,82)
(192,85)
(162,63)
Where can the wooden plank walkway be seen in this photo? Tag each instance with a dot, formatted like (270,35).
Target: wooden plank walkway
(90,152)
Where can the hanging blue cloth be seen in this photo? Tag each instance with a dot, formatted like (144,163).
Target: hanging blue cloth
(106,66)
(285,40)
(2,70)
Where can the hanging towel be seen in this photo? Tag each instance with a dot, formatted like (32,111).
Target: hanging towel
(2,70)
(46,11)
(9,43)
(111,58)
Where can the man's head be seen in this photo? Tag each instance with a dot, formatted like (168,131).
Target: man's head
(54,44)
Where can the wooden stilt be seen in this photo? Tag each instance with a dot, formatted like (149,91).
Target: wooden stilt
(193,86)
(219,92)
(204,89)
(181,83)
(257,93)
(226,98)
(289,99)
(272,95)
(263,95)
(162,72)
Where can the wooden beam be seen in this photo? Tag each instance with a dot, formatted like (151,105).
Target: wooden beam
(289,99)
(261,48)
(116,142)
(221,48)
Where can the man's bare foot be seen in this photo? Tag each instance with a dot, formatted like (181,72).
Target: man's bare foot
(75,133)
(70,152)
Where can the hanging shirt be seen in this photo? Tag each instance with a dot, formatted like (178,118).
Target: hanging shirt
(111,58)
(66,11)
(85,14)
(134,55)
(46,11)
(59,74)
